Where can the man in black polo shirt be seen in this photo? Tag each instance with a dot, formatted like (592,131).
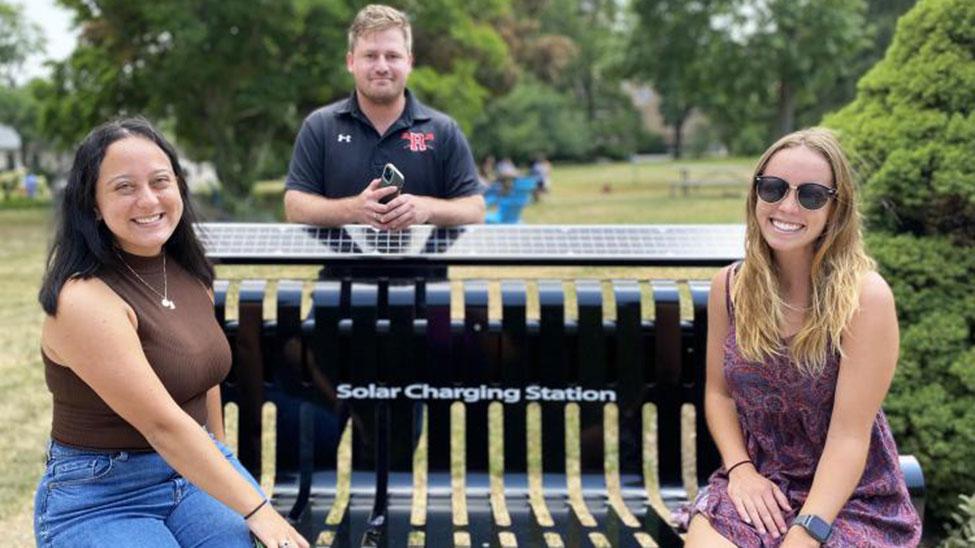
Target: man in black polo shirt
(341,149)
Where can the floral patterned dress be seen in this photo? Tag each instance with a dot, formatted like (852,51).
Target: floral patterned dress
(784,416)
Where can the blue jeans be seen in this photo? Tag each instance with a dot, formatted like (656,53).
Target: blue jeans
(92,498)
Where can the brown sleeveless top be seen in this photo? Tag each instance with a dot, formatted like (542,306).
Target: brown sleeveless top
(185,347)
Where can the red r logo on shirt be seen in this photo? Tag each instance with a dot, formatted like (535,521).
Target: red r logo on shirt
(418,141)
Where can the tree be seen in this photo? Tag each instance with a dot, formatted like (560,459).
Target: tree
(756,69)
(801,48)
(18,109)
(19,39)
(671,45)
(912,129)
(532,119)
(232,80)
(227,76)
(572,48)
(780,64)
(461,60)
(883,15)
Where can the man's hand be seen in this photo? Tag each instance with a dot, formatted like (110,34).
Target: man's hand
(366,208)
(405,210)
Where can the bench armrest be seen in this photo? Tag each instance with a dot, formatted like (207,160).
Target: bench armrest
(914,478)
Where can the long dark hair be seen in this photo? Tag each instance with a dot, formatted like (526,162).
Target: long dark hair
(82,244)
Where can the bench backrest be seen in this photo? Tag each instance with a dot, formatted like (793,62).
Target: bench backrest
(360,338)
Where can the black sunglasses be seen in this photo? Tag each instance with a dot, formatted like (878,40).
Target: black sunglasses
(811,195)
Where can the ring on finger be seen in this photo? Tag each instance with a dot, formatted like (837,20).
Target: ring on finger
(285,544)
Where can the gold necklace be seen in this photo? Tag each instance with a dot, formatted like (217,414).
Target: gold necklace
(165,302)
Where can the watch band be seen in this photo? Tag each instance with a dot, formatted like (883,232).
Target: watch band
(815,526)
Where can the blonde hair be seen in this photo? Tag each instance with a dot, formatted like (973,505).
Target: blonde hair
(378,17)
(838,266)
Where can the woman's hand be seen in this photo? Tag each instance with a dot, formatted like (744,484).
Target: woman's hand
(758,500)
(273,530)
(799,538)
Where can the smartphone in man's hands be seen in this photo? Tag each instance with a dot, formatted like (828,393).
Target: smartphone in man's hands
(391,177)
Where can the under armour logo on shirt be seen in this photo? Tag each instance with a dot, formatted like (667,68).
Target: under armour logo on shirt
(344,138)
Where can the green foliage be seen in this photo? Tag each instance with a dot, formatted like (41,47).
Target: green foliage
(911,132)
(756,69)
(532,119)
(451,36)
(19,38)
(650,142)
(573,49)
(13,195)
(457,92)
(233,79)
(963,524)
(228,74)
(788,63)
(671,46)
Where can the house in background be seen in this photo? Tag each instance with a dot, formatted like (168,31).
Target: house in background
(647,102)
(9,149)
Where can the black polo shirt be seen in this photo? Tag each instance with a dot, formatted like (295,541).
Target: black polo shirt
(338,151)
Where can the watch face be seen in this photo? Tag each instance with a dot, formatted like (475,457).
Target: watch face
(818,528)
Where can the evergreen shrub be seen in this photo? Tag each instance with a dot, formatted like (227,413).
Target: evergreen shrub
(911,132)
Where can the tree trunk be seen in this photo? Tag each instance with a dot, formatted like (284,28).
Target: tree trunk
(787,108)
(589,89)
(679,134)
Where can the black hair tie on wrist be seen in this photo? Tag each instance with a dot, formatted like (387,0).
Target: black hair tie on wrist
(254,511)
(736,465)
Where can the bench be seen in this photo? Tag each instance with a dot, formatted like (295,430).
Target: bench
(579,420)
(712,179)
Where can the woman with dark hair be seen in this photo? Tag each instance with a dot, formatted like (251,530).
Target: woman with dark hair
(802,347)
(133,357)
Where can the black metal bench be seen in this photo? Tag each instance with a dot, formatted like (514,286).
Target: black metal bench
(563,460)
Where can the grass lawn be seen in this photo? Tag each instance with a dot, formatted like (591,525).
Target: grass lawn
(25,404)
(636,193)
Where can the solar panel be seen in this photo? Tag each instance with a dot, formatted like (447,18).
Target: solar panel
(475,244)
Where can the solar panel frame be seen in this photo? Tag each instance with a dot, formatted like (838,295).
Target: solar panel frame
(549,245)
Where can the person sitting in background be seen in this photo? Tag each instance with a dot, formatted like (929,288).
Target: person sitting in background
(802,347)
(133,357)
(487,172)
(507,173)
(30,185)
(541,169)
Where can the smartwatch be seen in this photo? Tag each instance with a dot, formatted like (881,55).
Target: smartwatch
(815,526)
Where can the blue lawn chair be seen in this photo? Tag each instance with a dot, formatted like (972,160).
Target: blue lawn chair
(509,209)
(510,205)
(492,195)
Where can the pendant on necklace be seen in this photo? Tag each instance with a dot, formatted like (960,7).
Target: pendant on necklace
(168,304)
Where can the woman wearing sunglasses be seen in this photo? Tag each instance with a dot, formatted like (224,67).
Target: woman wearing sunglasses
(802,346)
